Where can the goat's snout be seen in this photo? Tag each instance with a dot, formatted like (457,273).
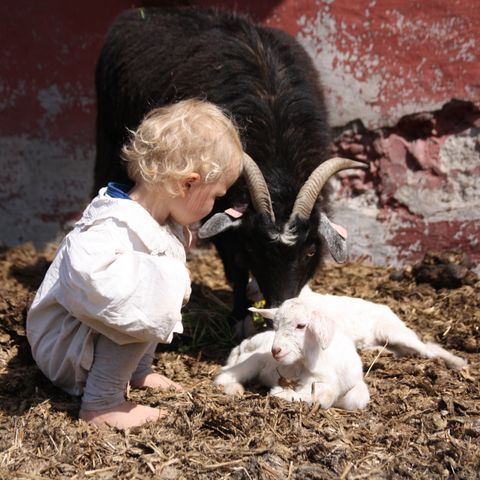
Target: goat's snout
(276,352)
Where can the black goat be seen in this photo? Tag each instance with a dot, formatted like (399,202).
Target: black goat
(267,82)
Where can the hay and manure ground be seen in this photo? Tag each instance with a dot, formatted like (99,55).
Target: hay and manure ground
(423,421)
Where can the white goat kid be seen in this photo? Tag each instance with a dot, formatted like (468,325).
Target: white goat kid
(370,325)
(306,358)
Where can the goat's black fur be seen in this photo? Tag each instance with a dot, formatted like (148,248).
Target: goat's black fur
(266,80)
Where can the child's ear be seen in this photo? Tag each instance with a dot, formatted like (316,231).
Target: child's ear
(187,181)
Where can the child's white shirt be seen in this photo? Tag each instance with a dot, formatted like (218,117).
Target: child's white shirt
(118,273)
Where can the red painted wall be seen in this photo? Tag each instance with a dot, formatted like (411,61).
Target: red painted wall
(398,54)
(380,60)
(45,44)
(426,55)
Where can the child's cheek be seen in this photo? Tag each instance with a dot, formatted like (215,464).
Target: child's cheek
(200,202)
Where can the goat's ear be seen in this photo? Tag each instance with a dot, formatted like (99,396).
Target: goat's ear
(218,223)
(335,237)
(322,329)
(265,312)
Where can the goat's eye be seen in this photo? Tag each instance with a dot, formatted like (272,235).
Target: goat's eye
(301,326)
(310,251)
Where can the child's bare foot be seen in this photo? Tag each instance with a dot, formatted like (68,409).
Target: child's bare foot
(155,380)
(126,415)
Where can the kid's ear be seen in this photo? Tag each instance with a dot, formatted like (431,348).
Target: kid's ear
(321,328)
(265,312)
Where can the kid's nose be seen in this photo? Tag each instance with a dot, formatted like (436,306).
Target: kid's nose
(276,351)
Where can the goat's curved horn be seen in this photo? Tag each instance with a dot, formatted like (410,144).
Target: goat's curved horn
(257,186)
(310,190)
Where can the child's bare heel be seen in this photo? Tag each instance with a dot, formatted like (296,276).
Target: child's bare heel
(126,415)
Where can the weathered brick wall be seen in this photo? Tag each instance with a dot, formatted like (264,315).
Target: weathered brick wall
(390,70)
(422,190)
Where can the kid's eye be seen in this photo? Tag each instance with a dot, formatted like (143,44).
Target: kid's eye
(310,251)
(301,326)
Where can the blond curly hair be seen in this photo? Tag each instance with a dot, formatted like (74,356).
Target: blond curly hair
(173,141)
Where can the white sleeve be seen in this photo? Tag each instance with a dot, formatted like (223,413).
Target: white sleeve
(120,292)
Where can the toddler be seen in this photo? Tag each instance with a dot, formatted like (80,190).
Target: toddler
(119,279)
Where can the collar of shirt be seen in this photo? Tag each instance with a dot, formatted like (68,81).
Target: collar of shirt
(118,190)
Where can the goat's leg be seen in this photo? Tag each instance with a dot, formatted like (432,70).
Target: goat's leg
(356,398)
(246,368)
(324,393)
(301,395)
(451,360)
(403,341)
(227,246)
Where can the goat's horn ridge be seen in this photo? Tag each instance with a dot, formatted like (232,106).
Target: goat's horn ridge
(311,189)
(257,187)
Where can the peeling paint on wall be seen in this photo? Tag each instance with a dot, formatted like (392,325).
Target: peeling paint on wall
(422,189)
(388,68)
(382,60)
(43,188)
(456,194)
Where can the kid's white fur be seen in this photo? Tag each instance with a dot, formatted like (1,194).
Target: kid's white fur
(371,324)
(310,351)
(314,343)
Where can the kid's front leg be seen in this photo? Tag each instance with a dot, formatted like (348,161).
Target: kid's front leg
(323,393)
(301,395)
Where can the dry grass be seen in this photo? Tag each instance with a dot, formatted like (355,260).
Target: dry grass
(423,421)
